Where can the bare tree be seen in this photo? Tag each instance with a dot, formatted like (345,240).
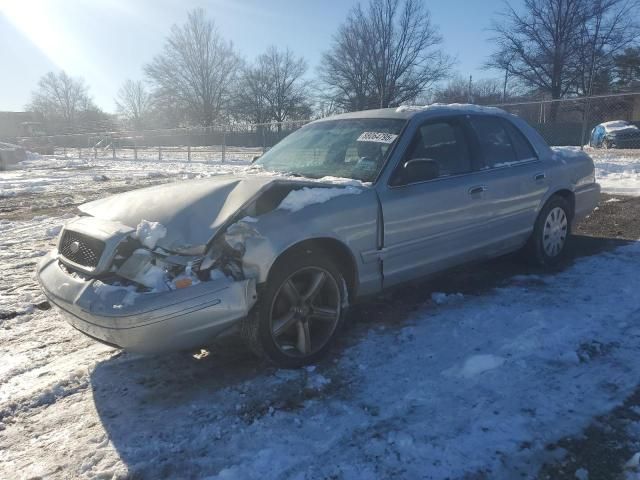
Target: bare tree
(384,55)
(559,46)
(627,68)
(344,69)
(274,88)
(610,27)
(288,92)
(197,67)
(250,101)
(134,103)
(60,97)
(484,91)
(542,41)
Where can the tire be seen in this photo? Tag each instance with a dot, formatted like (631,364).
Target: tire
(299,311)
(547,245)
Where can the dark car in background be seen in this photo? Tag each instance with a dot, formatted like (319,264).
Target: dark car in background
(615,134)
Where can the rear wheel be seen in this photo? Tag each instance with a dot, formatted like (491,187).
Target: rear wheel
(548,243)
(299,311)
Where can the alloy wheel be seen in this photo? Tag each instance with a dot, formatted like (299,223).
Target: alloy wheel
(305,312)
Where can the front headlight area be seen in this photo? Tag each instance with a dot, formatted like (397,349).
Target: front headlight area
(153,271)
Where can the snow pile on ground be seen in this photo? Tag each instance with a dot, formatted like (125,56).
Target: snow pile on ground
(617,171)
(298,199)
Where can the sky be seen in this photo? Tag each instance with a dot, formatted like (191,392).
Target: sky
(108,41)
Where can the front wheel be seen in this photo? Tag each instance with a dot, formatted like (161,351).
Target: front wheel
(299,311)
(548,243)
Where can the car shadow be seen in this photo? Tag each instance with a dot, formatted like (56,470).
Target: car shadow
(143,394)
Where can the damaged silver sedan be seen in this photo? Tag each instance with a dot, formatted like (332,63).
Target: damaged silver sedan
(338,211)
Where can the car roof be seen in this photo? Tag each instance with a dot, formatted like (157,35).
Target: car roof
(406,112)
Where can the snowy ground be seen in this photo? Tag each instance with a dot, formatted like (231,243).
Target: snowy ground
(618,171)
(483,384)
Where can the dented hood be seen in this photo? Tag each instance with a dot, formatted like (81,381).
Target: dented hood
(192,211)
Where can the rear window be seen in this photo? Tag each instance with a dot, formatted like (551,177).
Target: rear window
(524,150)
(501,142)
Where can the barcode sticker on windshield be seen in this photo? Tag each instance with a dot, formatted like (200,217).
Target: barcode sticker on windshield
(379,137)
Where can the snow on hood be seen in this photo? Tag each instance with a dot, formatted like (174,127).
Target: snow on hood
(191,211)
(299,199)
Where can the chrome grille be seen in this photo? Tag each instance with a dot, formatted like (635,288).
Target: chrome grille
(81,249)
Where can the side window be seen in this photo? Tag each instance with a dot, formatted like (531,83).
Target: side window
(524,150)
(497,147)
(444,142)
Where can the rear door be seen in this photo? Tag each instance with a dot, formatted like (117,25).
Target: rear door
(430,225)
(515,178)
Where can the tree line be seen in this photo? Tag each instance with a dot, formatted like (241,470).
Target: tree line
(385,53)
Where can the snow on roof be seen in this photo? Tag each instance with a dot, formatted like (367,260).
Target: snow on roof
(467,107)
(614,125)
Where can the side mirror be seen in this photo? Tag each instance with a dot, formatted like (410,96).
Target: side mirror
(419,170)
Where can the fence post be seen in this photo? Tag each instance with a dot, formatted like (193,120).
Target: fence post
(189,146)
(159,152)
(79,152)
(224,143)
(95,152)
(585,120)
(113,148)
(135,151)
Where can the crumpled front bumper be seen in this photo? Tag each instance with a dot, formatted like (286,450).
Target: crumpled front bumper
(146,322)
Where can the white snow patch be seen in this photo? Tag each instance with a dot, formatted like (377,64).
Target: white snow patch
(441,298)
(317,382)
(582,474)
(616,125)
(298,199)
(53,231)
(149,233)
(479,364)
(449,106)
(633,462)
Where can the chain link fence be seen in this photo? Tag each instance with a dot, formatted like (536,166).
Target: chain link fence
(571,121)
(561,122)
(238,142)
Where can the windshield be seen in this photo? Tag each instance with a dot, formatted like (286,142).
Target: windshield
(350,148)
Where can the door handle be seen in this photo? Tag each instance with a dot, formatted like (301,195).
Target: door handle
(539,176)
(477,190)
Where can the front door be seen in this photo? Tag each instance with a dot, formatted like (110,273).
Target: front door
(430,225)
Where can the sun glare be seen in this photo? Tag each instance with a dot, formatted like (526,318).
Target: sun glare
(44,25)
